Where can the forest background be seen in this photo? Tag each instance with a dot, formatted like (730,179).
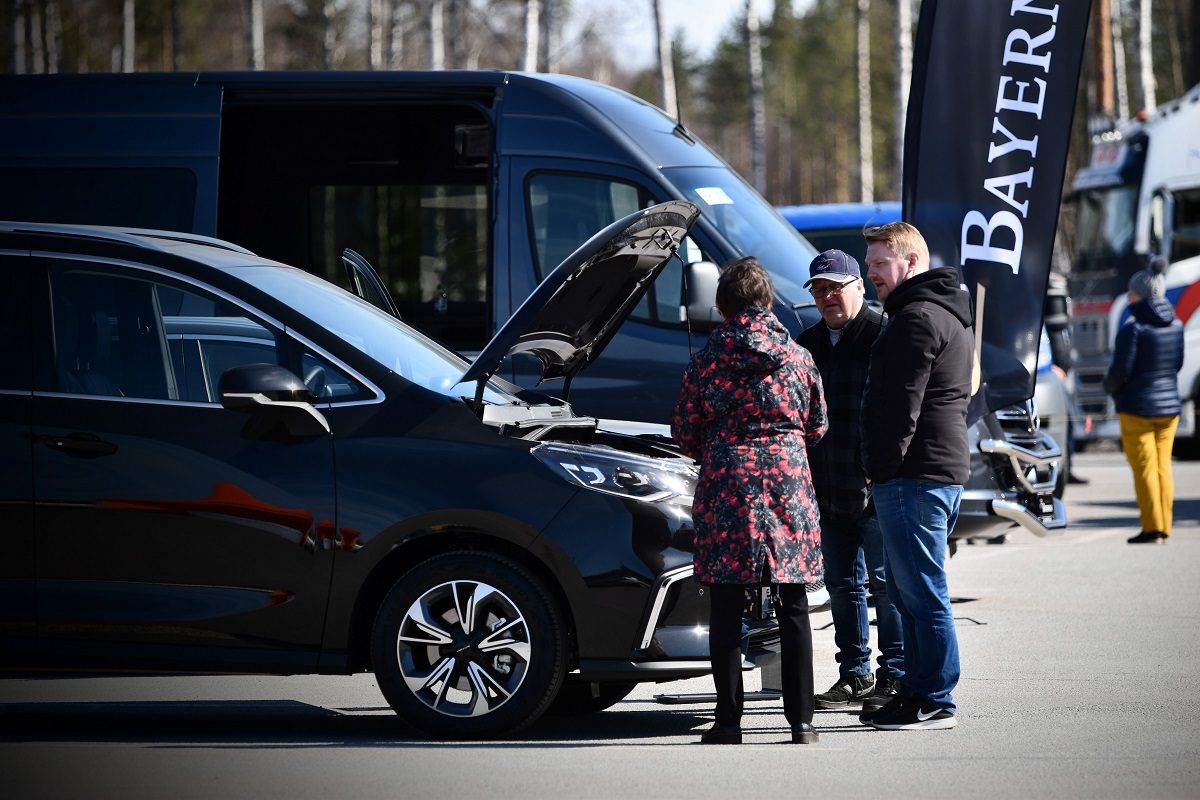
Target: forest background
(821,122)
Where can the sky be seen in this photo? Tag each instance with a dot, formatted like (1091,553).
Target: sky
(632,22)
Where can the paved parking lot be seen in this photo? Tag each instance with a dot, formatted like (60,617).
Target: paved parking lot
(1079,652)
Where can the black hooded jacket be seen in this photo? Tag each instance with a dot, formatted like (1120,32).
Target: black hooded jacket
(914,415)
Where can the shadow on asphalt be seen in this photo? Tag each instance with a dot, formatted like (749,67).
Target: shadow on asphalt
(282,724)
(1184,509)
(287,723)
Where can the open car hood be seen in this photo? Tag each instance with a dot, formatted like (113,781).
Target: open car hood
(573,313)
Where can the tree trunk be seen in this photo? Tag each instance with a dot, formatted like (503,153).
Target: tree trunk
(127,38)
(1146,83)
(375,28)
(903,81)
(758,117)
(53,36)
(396,38)
(1102,59)
(328,32)
(176,35)
(436,35)
(37,39)
(547,42)
(666,68)
(1120,76)
(256,36)
(866,165)
(533,12)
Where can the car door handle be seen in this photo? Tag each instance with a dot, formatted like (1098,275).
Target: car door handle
(83,445)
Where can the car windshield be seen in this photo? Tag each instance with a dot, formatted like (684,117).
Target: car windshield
(750,224)
(376,334)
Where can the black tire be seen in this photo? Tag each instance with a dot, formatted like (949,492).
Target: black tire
(575,698)
(456,679)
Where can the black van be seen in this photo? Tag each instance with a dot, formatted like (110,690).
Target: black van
(463,189)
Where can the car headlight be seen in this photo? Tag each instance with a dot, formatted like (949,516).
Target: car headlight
(650,480)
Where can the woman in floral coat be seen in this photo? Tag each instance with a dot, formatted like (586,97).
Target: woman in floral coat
(750,401)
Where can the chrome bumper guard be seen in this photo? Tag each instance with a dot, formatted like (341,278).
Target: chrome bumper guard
(662,585)
(1022,459)
(1030,521)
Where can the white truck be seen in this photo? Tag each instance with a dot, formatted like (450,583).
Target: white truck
(1138,206)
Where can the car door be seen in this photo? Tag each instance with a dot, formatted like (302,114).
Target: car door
(17,607)
(169,532)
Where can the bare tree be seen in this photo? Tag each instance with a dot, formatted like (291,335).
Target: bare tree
(758,116)
(53,23)
(529,57)
(37,50)
(435,33)
(548,41)
(328,33)
(395,44)
(903,79)
(1102,58)
(1120,77)
(176,35)
(1145,56)
(127,37)
(666,69)
(255,34)
(866,166)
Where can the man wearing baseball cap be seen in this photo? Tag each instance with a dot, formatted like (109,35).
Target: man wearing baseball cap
(851,542)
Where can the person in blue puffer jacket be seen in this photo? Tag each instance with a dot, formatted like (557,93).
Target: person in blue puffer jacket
(1142,380)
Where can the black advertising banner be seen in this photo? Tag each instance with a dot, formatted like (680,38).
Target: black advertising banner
(989,120)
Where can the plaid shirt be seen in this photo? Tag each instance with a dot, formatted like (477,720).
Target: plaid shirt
(839,477)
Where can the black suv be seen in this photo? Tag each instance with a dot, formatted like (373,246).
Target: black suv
(214,462)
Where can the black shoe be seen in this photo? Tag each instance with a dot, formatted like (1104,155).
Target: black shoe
(1077,479)
(1148,537)
(915,715)
(722,734)
(854,689)
(805,734)
(896,702)
(885,690)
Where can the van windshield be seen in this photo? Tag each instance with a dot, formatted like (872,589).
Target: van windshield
(376,334)
(749,224)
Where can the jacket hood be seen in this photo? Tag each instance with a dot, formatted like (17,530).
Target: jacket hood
(753,341)
(941,286)
(1153,311)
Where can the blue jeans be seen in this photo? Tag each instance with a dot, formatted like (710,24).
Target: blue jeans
(853,552)
(916,518)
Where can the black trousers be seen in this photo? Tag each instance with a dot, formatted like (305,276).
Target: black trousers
(726,604)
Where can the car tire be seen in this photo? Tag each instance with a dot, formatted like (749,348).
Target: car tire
(575,697)
(468,645)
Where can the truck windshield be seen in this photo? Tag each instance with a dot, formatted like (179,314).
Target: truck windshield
(749,224)
(1104,231)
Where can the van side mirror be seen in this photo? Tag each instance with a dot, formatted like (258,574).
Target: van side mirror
(700,304)
(279,402)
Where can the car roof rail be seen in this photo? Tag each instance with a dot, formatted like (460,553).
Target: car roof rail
(142,237)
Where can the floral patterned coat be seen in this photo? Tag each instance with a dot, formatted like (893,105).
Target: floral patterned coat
(750,401)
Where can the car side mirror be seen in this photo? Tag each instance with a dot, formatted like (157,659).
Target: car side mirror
(700,281)
(278,401)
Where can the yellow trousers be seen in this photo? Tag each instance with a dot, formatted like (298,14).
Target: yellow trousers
(1147,442)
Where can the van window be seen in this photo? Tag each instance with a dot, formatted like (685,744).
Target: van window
(566,210)
(164,199)
(428,243)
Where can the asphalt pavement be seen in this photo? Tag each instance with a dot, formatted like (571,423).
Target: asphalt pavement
(1079,662)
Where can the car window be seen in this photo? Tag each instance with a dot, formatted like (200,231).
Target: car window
(15,325)
(123,333)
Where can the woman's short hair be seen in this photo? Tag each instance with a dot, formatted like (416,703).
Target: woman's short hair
(744,283)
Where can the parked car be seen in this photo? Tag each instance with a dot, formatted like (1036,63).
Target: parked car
(1017,470)
(238,466)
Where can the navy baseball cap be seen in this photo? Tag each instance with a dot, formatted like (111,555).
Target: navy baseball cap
(833,265)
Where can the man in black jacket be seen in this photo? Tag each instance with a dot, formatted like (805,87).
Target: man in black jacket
(850,539)
(916,455)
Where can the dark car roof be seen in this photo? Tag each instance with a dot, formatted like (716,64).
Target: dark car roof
(820,216)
